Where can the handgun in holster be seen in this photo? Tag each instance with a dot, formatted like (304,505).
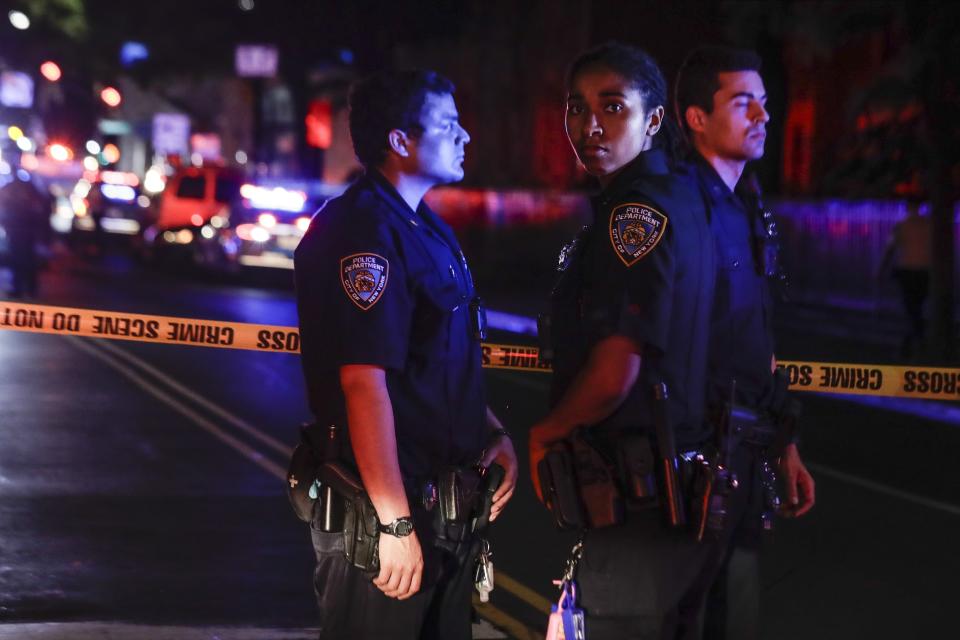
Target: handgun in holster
(717,480)
(579,485)
(458,490)
(558,484)
(361,535)
(492,480)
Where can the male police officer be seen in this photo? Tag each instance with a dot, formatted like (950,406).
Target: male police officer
(720,102)
(389,325)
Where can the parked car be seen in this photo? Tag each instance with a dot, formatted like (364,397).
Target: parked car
(109,210)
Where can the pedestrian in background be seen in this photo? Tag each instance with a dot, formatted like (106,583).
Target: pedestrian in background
(24,215)
(908,252)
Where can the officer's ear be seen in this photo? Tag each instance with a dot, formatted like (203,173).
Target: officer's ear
(655,121)
(696,118)
(399,142)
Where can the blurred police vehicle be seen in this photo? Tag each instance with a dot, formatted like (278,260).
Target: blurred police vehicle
(111,209)
(257,226)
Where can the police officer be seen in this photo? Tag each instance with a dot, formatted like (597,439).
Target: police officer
(631,310)
(390,352)
(720,101)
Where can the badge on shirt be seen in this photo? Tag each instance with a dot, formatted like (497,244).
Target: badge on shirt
(635,229)
(364,278)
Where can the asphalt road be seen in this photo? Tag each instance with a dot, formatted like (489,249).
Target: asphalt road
(142,485)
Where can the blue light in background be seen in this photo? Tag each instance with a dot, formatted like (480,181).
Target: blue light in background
(132,52)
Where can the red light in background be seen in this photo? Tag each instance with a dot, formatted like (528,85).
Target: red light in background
(111,97)
(798,144)
(319,123)
(50,71)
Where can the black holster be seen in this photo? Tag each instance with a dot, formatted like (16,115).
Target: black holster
(316,446)
(579,485)
(361,536)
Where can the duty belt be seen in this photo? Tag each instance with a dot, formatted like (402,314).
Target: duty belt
(755,427)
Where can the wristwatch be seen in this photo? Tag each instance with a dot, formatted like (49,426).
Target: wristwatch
(400,528)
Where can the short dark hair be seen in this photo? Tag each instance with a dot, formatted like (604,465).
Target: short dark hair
(638,68)
(386,101)
(698,78)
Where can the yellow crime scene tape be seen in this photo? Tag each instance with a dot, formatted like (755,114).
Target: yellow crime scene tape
(859,379)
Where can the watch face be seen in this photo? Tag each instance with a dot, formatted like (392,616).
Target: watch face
(403,528)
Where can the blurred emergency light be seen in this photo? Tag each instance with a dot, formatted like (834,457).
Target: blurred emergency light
(16,89)
(122,192)
(59,152)
(51,71)
(14,132)
(111,153)
(119,177)
(132,52)
(111,97)
(319,121)
(273,198)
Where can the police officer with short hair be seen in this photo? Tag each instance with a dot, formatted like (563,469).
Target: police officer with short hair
(720,101)
(631,310)
(390,353)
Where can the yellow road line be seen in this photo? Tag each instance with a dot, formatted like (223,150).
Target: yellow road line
(112,358)
(241,447)
(523,592)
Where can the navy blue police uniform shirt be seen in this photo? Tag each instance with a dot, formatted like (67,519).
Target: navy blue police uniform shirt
(741,344)
(644,270)
(380,284)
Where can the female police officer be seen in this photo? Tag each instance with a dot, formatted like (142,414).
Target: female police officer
(631,309)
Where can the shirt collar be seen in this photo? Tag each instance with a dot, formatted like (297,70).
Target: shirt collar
(423,217)
(389,192)
(713,186)
(650,162)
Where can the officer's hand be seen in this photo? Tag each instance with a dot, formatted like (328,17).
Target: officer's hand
(540,440)
(501,452)
(401,566)
(798,484)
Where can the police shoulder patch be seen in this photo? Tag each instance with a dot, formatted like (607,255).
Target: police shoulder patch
(635,230)
(364,278)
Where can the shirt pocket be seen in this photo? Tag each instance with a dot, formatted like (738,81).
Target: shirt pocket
(439,299)
(738,274)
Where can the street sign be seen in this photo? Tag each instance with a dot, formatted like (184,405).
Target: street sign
(171,133)
(256,60)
